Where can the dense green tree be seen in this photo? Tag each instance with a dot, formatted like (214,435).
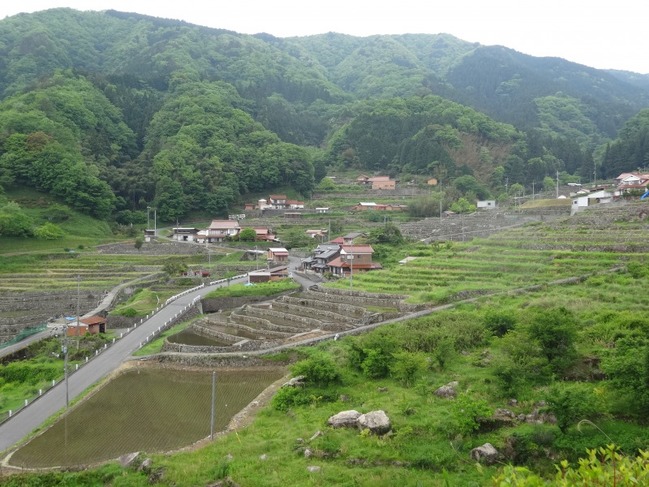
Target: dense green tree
(386,234)
(469,184)
(555,330)
(14,222)
(247,235)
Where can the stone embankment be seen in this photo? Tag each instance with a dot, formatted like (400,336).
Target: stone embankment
(466,227)
(24,310)
(290,318)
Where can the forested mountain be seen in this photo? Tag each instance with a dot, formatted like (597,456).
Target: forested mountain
(115,111)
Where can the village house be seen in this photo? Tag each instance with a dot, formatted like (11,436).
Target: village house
(324,209)
(265,235)
(277,254)
(322,255)
(221,230)
(364,206)
(295,204)
(277,201)
(367,205)
(185,234)
(486,205)
(92,325)
(591,199)
(363,180)
(353,258)
(382,182)
(266,275)
(629,181)
(149,235)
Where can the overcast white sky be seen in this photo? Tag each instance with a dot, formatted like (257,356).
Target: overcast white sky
(595,33)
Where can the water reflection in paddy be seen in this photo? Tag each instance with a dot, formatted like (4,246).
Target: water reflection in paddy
(148,409)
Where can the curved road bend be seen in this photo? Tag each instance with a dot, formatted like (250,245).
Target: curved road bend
(31,417)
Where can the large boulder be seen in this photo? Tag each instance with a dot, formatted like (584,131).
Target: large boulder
(344,419)
(486,454)
(376,421)
(130,459)
(295,382)
(447,391)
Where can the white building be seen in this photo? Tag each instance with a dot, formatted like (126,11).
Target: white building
(591,199)
(487,205)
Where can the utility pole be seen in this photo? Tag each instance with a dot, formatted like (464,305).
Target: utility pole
(213,405)
(533,194)
(557,184)
(441,199)
(350,257)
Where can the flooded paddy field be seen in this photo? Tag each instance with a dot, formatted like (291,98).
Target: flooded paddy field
(188,337)
(149,409)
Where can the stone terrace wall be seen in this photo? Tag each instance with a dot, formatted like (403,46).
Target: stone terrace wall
(243,346)
(23,310)
(360,298)
(302,322)
(340,308)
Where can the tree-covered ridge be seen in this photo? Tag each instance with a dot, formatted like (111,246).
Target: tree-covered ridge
(420,135)
(204,152)
(154,110)
(631,149)
(64,137)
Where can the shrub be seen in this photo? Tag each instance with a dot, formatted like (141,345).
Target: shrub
(602,466)
(407,366)
(319,370)
(499,322)
(572,402)
(467,412)
(48,231)
(127,312)
(555,331)
(372,353)
(521,364)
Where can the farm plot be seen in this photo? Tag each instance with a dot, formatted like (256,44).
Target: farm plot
(64,272)
(533,255)
(150,409)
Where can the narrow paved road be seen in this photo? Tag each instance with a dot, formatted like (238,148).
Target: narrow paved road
(31,417)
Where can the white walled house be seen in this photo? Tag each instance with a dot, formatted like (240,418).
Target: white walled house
(185,234)
(486,205)
(219,230)
(598,197)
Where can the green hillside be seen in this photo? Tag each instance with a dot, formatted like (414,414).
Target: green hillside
(113,112)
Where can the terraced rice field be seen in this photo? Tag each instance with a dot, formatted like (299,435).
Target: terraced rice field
(534,254)
(63,271)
